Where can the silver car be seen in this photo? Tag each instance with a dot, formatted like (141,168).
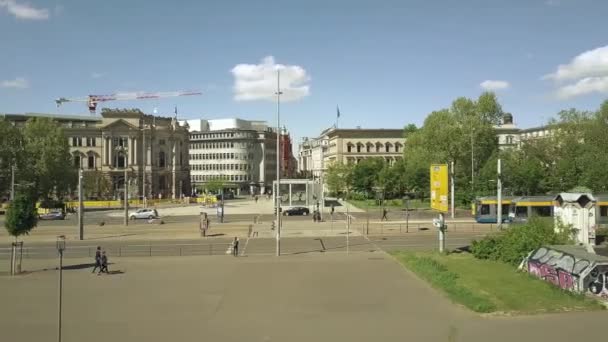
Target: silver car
(145,213)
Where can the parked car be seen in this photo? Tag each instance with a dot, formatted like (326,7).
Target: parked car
(52,215)
(145,213)
(227,196)
(296,211)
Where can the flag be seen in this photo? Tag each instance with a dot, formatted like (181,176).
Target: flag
(337,112)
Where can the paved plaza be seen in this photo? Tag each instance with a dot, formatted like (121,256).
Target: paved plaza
(323,297)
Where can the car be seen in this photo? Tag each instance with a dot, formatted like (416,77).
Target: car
(296,211)
(52,215)
(145,213)
(227,196)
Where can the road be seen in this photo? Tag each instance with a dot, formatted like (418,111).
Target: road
(254,246)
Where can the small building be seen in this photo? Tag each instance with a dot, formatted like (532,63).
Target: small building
(577,210)
(571,268)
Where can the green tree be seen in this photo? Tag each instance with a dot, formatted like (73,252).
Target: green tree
(48,159)
(11,153)
(95,185)
(214,185)
(21,215)
(339,178)
(365,174)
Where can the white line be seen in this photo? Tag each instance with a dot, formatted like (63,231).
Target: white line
(247,243)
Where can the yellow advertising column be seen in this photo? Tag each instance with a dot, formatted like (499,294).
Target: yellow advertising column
(439,187)
(439,199)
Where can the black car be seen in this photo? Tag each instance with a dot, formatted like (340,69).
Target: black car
(296,211)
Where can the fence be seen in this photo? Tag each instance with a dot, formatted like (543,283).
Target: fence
(405,228)
(218,248)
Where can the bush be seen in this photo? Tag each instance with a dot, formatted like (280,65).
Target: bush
(512,245)
(357,196)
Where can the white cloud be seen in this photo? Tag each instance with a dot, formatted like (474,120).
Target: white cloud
(24,10)
(259,81)
(492,85)
(592,63)
(97,74)
(584,86)
(17,83)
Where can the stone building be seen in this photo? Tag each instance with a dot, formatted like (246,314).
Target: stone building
(153,150)
(349,146)
(240,152)
(509,135)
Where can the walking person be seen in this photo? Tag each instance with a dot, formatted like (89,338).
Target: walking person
(235,246)
(332,212)
(104,263)
(97,259)
(384,212)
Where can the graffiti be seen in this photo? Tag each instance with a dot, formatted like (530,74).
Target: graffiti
(569,272)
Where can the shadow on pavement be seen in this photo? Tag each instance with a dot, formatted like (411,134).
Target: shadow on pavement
(214,235)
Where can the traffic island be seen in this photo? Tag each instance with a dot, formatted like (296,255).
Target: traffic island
(486,286)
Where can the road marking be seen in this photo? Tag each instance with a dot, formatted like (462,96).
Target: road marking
(245,248)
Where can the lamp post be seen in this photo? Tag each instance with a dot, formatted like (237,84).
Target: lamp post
(80,206)
(278,191)
(60,249)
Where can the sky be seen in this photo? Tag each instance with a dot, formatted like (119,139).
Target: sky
(384,63)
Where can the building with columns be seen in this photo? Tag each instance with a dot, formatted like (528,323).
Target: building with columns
(349,146)
(152,150)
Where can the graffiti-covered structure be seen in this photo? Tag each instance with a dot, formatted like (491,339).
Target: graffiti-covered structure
(571,268)
(578,211)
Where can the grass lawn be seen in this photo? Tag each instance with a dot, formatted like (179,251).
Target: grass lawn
(489,286)
(390,204)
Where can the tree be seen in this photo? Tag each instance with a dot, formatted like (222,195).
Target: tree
(339,177)
(95,185)
(21,215)
(48,159)
(11,153)
(215,184)
(365,174)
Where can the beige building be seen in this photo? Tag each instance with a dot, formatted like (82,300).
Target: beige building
(509,135)
(349,146)
(153,150)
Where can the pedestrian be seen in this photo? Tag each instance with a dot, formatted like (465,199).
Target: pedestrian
(104,263)
(235,246)
(256,199)
(314,216)
(384,212)
(97,259)
(332,212)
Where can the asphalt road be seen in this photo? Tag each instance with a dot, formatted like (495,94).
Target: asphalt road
(254,246)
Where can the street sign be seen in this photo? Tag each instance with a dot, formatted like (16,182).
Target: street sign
(439,187)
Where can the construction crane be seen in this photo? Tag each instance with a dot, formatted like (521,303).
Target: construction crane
(93,100)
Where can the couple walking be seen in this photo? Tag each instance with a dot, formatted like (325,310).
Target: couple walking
(101,261)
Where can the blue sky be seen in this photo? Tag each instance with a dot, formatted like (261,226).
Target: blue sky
(385,63)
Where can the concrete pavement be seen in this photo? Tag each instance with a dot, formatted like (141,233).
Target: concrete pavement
(306,297)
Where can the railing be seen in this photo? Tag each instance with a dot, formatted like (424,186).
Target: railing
(218,248)
(405,228)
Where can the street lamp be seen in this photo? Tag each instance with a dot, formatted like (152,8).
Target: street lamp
(60,249)
(278,191)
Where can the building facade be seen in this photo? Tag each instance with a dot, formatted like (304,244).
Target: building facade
(240,152)
(509,135)
(349,146)
(152,150)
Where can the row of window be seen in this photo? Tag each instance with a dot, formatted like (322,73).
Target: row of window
(213,156)
(233,178)
(206,167)
(90,160)
(223,135)
(221,144)
(387,147)
(89,141)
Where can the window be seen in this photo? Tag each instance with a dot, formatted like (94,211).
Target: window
(378,146)
(76,141)
(77,161)
(231,144)
(90,141)
(604,210)
(521,211)
(91,162)
(161,141)
(387,147)
(161,159)
(484,209)
(349,148)
(358,148)
(397,147)
(509,139)
(368,148)
(544,211)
